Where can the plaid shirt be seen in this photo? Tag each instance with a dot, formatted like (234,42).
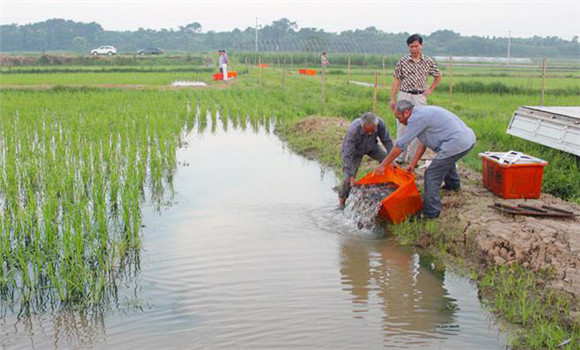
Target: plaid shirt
(413,75)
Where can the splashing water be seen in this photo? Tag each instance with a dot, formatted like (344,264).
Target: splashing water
(364,202)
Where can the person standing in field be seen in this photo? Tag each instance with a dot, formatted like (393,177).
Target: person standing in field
(324,60)
(219,61)
(361,140)
(441,131)
(223,63)
(410,83)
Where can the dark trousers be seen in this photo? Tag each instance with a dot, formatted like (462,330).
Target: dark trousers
(377,154)
(440,171)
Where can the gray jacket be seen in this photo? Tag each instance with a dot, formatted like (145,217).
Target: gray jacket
(357,143)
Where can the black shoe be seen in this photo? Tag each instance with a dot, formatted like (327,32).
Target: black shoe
(449,188)
(425,217)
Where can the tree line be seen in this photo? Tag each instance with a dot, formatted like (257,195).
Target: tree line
(282,35)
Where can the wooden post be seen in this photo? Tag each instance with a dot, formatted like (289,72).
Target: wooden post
(348,72)
(283,74)
(306,60)
(543,80)
(384,75)
(375,94)
(451,79)
(260,67)
(323,84)
(291,59)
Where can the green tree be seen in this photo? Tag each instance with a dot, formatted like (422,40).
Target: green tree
(79,43)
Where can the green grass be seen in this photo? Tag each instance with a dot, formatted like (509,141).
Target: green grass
(516,295)
(76,166)
(410,232)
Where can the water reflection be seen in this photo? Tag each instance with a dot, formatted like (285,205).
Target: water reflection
(58,329)
(380,274)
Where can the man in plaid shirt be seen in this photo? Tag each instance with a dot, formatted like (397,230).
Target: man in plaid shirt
(410,83)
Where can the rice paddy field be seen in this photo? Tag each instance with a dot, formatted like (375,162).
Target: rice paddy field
(84,148)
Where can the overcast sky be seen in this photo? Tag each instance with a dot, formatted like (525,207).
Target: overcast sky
(483,18)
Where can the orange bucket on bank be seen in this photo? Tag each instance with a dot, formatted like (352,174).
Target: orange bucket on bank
(512,174)
(404,201)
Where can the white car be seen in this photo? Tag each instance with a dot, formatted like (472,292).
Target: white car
(104,50)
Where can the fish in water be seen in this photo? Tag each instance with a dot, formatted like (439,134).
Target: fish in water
(364,202)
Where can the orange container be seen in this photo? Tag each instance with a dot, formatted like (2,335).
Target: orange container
(521,178)
(402,203)
(263,65)
(307,71)
(220,76)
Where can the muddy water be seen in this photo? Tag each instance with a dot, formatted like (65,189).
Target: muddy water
(252,252)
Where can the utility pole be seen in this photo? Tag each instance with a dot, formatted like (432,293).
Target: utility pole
(509,47)
(256,42)
(543,80)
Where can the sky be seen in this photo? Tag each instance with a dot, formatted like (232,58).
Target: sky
(482,18)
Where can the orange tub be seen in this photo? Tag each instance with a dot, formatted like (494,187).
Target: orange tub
(402,203)
(220,76)
(263,65)
(307,71)
(519,179)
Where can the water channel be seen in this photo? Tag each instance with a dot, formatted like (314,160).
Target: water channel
(252,252)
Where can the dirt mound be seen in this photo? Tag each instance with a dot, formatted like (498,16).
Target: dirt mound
(321,125)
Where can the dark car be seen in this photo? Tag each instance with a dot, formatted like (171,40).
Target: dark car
(151,51)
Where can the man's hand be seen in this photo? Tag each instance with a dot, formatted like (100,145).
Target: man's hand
(381,168)
(392,105)
(428,92)
(410,168)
